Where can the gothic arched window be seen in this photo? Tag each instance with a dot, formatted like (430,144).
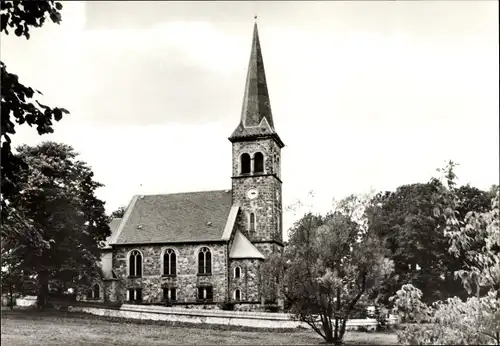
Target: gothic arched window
(237,272)
(169,262)
(204,261)
(245,163)
(237,294)
(135,264)
(258,163)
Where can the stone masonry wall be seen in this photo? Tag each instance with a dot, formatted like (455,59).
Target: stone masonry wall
(267,208)
(249,281)
(268,205)
(187,279)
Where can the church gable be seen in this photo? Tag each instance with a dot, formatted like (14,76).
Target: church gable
(174,218)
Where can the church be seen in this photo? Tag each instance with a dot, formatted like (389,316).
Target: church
(206,248)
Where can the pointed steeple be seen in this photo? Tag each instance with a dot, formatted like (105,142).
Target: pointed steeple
(256,115)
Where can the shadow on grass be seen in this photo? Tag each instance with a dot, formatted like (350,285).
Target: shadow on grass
(149,335)
(33,313)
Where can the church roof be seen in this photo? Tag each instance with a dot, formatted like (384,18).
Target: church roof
(113,225)
(174,218)
(256,115)
(243,248)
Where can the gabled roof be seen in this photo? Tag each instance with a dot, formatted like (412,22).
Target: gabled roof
(243,248)
(256,115)
(113,225)
(174,218)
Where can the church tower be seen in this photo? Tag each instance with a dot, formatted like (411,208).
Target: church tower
(256,171)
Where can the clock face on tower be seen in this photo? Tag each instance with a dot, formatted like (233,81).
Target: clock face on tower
(252,193)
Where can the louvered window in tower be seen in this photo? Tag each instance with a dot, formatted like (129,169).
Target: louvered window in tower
(245,163)
(258,162)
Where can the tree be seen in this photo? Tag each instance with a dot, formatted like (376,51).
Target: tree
(118,213)
(476,320)
(405,221)
(329,264)
(19,104)
(57,196)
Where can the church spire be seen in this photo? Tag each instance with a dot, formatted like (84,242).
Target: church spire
(256,115)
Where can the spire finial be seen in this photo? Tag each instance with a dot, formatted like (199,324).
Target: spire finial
(255,17)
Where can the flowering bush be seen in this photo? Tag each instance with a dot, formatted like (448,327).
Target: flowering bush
(453,322)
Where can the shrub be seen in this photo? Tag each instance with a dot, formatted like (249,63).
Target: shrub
(363,329)
(473,322)
(359,312)
(271,308)
(227,305)
(381,315)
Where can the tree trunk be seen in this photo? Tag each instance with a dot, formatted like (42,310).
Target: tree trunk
(42,289)
(10,298)
(337,339)
(342,329)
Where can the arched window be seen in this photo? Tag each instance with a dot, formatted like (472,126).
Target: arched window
(97,293)
(135,264)
(237,295)
(204,261)
(237,272)
(169,262)
(258,163)
(252,222)
(245,163)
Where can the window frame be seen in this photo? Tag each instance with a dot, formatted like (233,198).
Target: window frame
(252,222)
(91,293)
(135,290)
(238,299)
(170,262)
(169,291)
(207,269)
(239,272)
(255,161)
(130,254)
(206,289)
(241,165)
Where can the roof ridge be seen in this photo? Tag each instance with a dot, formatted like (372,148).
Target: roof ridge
(182,193)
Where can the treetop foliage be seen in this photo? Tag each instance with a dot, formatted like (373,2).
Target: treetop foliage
(19,105)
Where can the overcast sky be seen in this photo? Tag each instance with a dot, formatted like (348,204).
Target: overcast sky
(365,95)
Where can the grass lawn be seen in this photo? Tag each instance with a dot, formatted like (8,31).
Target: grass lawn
(64,328)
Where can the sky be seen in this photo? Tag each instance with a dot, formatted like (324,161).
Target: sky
(366,96)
